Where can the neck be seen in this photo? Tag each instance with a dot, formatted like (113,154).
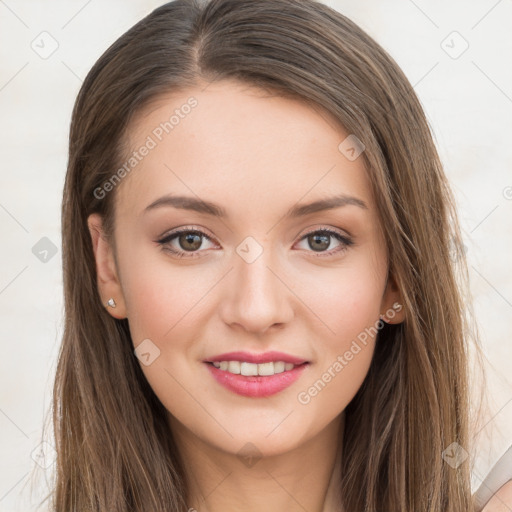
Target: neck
(305,478)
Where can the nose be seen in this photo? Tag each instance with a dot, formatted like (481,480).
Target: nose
(255,296)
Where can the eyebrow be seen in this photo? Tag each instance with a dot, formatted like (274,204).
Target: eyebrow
(206,207)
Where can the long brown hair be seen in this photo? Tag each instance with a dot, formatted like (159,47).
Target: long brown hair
(114,448)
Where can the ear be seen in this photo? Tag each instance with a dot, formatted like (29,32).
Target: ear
(392,306)
(108,282)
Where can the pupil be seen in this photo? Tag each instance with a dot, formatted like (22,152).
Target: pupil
(320,242)
(190,238)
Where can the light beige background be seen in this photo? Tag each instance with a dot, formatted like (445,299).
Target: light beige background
(467,99)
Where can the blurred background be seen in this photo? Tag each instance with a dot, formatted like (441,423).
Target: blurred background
(454,55)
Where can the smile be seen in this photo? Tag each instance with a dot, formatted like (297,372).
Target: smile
(255,380)
(253,369)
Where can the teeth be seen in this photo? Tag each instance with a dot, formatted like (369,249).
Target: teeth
(265,368)
(253,369)
(249,369)
(234,367)
(279,367)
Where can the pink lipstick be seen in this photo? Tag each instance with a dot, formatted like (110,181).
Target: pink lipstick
(256,375)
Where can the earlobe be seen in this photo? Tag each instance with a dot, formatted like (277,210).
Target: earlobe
(394,314)
(392,310)
(109,286)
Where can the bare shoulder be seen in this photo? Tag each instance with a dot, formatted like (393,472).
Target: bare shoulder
(501,500)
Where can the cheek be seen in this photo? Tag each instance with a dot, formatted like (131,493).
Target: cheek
(342,364)
(165,305)
(346,300)
(168,305)
(161,297)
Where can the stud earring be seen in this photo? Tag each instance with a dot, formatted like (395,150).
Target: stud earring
(111,302)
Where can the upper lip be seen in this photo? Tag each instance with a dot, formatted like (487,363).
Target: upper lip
(264,357)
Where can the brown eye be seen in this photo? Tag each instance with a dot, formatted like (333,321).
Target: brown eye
(185,243)
(326,242)
(319,242)
(190,241)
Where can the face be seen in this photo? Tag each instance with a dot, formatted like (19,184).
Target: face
(216,253)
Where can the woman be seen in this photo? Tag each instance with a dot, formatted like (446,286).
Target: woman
(258,241)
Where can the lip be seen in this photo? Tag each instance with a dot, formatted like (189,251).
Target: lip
(256,386)
(265,357)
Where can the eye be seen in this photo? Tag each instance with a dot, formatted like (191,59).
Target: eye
(184,242)
(187,242)
(321,240)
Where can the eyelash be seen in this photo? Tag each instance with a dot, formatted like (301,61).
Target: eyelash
(163,242)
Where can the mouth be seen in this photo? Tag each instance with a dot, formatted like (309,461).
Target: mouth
(256,379)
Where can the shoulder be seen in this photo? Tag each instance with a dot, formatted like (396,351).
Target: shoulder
(501,501)
(495,491)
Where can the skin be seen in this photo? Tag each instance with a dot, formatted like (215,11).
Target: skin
(257,156)
(501,500)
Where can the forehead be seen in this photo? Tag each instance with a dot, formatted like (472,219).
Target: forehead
(239,144)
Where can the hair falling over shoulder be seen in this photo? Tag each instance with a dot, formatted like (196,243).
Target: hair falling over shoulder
(115,452)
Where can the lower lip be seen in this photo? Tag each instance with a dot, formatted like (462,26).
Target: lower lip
(256,386)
